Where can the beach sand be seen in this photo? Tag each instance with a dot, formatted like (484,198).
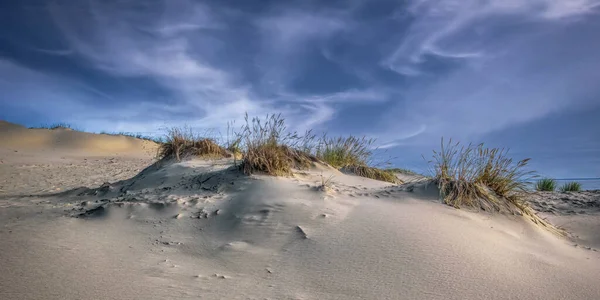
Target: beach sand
(85,216)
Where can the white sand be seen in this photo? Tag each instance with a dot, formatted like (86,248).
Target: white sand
(201,230)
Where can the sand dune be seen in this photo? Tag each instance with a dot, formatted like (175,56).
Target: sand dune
(34,161)
(17,137)
(200,229)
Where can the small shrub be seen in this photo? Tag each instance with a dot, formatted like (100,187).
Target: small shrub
(344,151)
(480,177)
(571,187)
(270,149)
(373,173)
(545,185)
(181,141)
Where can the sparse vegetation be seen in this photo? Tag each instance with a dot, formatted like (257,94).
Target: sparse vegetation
(351,154)
(135,135)
(71,127)
(234,141)
(270,149)
(571,187)
(182,141)
(325,183)
(54,126)
(545,185)
(479,177)
(402,171)
(235,149)
(344,151)
(372,172)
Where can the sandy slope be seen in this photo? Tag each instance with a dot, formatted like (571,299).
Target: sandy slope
(201,230)
(34,161)
(577,212)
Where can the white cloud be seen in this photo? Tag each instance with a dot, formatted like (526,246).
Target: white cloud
(112,42)
(438,24)
(172,47)
(518,61)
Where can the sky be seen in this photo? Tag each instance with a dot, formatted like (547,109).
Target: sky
(511,73)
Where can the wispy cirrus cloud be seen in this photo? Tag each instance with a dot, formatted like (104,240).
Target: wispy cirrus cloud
(481,66)
(177,45)
(457,28)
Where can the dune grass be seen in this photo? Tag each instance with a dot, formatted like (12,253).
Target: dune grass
(235,149)
(479,177)
(182,142)
(54,126)
(351,154)
(372,172)
(545,185)
(233,143)
(571,187)
(270,149)
(341,152)
(71,127)
(402,171)
(140,136)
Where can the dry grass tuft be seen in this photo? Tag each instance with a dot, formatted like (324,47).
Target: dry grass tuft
(480,177)
(344,151)
(182,142)
(270,149)
(373,173)
(484,178)
(351,154)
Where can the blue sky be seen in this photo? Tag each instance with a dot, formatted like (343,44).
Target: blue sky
(514,73)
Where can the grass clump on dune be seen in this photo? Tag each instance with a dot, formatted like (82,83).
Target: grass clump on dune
(402,171)
(55,126)
(479,177)
(545,185)
(373,173)
(182,142)
(270,149)
(344,151)
(351,154)
(571,187)
(135,136)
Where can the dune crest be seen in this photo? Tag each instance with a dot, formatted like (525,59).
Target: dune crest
(17,137)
